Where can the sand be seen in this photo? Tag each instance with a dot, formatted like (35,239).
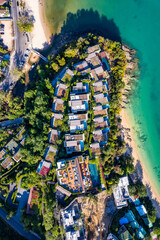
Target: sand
(40,33)
(8,33)
(130,139)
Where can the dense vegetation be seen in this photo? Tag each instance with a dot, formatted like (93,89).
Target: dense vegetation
(25,23)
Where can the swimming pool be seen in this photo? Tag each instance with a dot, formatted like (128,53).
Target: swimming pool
(94,175)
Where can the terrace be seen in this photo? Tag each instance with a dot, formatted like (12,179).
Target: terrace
(73,146)
(50,153)
(58,105)
(98,74)
(53,136)
(67,76)
(56,119)
(80,87)
(78,116)
(76,137)
(104,61)
(99,136)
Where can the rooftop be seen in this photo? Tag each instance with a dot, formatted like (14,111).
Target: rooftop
(12,146)
(94,48)
(7,163)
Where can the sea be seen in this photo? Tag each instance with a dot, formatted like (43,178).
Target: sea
(137,24)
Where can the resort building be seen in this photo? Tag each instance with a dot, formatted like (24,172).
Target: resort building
(80,87)
(72,222)
(61,90)
(53,136)
(95,148)
(100,86)
(100,136)
(50,153)
(93,60)
(56,119)
(17,157)
(82,67)
(32,200)
(98,74)
(65,75)
(121,192)
(94,49)
(3,153)
(100,122)
(100,111)
(84,97)
(75,125)
(78,106)
(74,174)
(12,146)
(7,163)
(83,116)
(75,143)
(101,98)
(44,168)
(58,105)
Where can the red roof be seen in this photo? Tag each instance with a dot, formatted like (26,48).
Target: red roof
(44,171)
(102,55)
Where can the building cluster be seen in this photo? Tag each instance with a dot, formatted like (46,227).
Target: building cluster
(10,153)
(72,222)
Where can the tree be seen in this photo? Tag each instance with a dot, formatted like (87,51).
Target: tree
(16,73)
(25,23)
(55,67)
(156,226)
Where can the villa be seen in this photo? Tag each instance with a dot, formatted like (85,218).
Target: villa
(7,163)
(17,157)
(78,106)
(100,122)
(99,136)
(98,73)
(82,67)
(77,125)
(64,76)
(80,87)
(83,116)
(74,174)
(101,98)
(100,111)
(58,105)
(44,168)
(12,146)
(50,153)
(95,148)
(121,192)
(32,200)
(94,49)
(93,60)
(84,97)
(56,119)
(53,136)
(3,153)
(74,146)
(100,86)
(61,90)
(124,234)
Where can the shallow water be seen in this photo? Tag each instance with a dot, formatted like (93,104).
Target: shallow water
(138,22)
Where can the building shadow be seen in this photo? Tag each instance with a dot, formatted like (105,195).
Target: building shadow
(79,24)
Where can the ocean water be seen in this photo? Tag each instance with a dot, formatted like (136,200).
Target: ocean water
(138,22)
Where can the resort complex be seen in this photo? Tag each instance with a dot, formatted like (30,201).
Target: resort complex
(65,167)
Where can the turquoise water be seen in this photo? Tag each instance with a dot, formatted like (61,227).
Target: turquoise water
(139,25)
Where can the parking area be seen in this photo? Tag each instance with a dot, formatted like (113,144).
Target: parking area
(6,33)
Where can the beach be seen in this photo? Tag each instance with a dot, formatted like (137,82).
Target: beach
(133,144)
(40,34)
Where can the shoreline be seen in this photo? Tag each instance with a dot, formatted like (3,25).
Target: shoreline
(43,20)
(132,142)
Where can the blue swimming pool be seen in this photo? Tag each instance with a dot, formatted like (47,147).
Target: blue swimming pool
(94,175)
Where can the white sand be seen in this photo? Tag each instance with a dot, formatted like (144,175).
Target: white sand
(39,39)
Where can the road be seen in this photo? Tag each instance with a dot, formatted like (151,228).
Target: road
(20,44)
(8,123)
(17,226)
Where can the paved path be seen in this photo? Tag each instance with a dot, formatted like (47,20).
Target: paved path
(7,123)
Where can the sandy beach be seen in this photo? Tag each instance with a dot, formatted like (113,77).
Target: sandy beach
(130,139)
(40,34)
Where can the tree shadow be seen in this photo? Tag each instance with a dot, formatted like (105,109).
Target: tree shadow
(80,23)
(154,200)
